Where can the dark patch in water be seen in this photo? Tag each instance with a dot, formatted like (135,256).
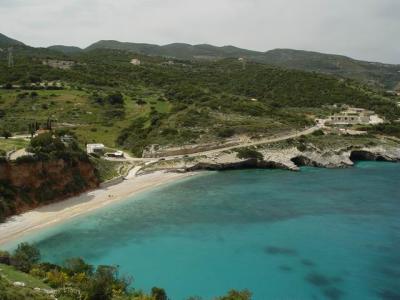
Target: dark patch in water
(285,268)
(384,248)
(337,279)
(388,272)
(388,295)
(333,293)
(318,279)
(280,251)
(308,263)
(220,239)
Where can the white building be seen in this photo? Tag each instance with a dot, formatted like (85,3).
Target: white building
(135,62)
(353,116)
(94,148)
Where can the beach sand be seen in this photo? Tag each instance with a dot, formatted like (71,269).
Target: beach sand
(18,226)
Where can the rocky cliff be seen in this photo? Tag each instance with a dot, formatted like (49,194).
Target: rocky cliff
(26,185)
(290,158)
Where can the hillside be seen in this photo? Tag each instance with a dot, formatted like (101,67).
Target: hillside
(104,98)
(377,74)
(6,41)
(65,49)
(373,73)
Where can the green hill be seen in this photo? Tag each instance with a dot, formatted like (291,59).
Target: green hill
(5,41)
(383,75)
(377,74)
(104,98)
(65,49)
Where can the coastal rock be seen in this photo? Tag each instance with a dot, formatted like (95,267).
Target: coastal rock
(288,159)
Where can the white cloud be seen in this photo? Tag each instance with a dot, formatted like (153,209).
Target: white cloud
(364,29)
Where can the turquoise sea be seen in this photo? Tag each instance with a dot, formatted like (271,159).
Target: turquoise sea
(314,234)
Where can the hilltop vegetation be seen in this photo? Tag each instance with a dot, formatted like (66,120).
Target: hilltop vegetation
(104,98)
(377,74)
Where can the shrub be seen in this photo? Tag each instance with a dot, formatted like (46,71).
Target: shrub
(249,153)
(77,265)
(4,257)
(236,295)
(225,132)
(115,99)
(302,147)
(25,159)
(56,279)
(158,294)
(318,132)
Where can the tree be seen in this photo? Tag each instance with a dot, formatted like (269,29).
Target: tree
(6,134)
(103,283)
(158,294)
(116,99)
(25,256)
(46,143)
(77,265)
(236,295)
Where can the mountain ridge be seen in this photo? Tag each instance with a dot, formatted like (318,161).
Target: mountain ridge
(382,75)
(374,73)
(6,41)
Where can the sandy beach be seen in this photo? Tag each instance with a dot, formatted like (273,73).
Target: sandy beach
(18,226)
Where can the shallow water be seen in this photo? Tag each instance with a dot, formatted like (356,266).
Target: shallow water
(315,234)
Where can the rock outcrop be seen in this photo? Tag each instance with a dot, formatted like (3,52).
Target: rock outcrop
(289,159)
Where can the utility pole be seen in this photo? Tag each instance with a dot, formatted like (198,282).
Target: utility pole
(10,57)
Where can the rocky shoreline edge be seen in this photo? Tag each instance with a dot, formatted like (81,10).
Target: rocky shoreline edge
(288,159)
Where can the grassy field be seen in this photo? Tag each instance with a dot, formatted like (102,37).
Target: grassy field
(13,275)
(12,144)
(75,110)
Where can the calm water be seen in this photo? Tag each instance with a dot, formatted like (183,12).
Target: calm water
(316,234)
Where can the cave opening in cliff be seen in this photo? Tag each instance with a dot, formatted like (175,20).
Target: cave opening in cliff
(300,161)
(365,156)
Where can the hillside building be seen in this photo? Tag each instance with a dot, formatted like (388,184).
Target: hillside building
(135,62)
(354,116)
(94,148)
(59,64)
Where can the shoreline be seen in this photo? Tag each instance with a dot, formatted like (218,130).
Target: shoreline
(18,226)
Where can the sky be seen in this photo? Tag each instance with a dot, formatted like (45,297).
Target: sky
(362,29)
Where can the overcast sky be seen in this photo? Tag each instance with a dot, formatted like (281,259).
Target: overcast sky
(362,29)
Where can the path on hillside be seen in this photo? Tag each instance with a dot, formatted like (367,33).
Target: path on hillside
(249,144)
(262,141)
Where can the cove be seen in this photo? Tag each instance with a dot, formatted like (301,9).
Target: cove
(314,234)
